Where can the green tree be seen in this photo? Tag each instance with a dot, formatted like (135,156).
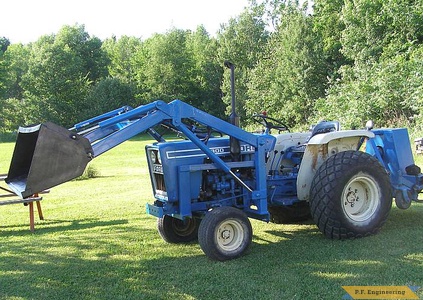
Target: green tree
(13,64)
(16,65)
(206,73)
(106,95)
(382,38)
(165,66)
(374,26)
(4,44)
(94,59)
(13,114)
(328,23)
(242,41)
(387,92)
(292,73)
(122,53)
(61,70)
(56,83)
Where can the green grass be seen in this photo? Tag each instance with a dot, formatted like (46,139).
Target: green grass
(97,242)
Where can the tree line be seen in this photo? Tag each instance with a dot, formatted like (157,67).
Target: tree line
(349,60)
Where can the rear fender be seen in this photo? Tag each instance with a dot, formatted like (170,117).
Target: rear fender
(319,149)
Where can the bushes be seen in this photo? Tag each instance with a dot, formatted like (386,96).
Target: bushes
(388,92)
(106,95)
(89,172)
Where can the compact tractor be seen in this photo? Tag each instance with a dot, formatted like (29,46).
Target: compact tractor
(207,185)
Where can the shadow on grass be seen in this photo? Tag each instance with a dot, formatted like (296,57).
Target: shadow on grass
(284,262)
(51,226)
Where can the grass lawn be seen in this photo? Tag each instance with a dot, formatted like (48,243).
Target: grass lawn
(97,242)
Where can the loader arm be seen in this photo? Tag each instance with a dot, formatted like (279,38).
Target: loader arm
(47,155)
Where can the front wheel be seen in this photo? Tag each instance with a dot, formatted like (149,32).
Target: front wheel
(350,195)
(225,233)
(174,230)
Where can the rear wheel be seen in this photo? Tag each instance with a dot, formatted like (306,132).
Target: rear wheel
(225,233)
(174,230)
(350,195)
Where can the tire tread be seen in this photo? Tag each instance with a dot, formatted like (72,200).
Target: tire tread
(322,193)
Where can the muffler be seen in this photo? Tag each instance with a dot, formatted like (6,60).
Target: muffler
(46,155)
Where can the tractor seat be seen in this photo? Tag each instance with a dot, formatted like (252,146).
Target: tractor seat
(325,127)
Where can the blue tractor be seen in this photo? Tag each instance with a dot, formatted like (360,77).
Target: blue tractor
(209,184)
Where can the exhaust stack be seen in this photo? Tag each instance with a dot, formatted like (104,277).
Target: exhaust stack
(235,148)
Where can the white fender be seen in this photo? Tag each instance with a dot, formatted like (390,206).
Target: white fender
(319,149)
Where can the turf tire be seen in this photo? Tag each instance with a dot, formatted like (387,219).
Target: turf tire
(342,178)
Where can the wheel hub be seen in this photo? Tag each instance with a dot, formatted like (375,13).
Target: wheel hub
(226,234)
(360,198)
(229,235)
(352,197)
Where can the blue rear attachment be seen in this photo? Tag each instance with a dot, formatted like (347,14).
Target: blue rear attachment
(393,149)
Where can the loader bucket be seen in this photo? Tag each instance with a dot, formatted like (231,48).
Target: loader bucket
(46,155)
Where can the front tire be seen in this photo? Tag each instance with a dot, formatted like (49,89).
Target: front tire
(350,195)
(225,233)
(174,230)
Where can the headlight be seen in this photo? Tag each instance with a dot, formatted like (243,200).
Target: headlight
(159,159)
(153,156)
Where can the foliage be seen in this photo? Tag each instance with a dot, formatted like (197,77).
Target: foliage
(388,92)
(90,172)
(349,60)
(107,94)
(328,23)
(94,60)
(241,42)
(292,72)
(4,44)
(373,28)
(206,72)
(16,62)
(55,83)
(167,73)
(179,65)
(61,71)
(121,54)
(383,40)
(14,113)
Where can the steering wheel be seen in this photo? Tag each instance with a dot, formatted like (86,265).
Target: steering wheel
(270,123)
(203,132)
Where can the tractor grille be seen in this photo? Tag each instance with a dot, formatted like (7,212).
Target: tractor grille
(159,182)
(157,172)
